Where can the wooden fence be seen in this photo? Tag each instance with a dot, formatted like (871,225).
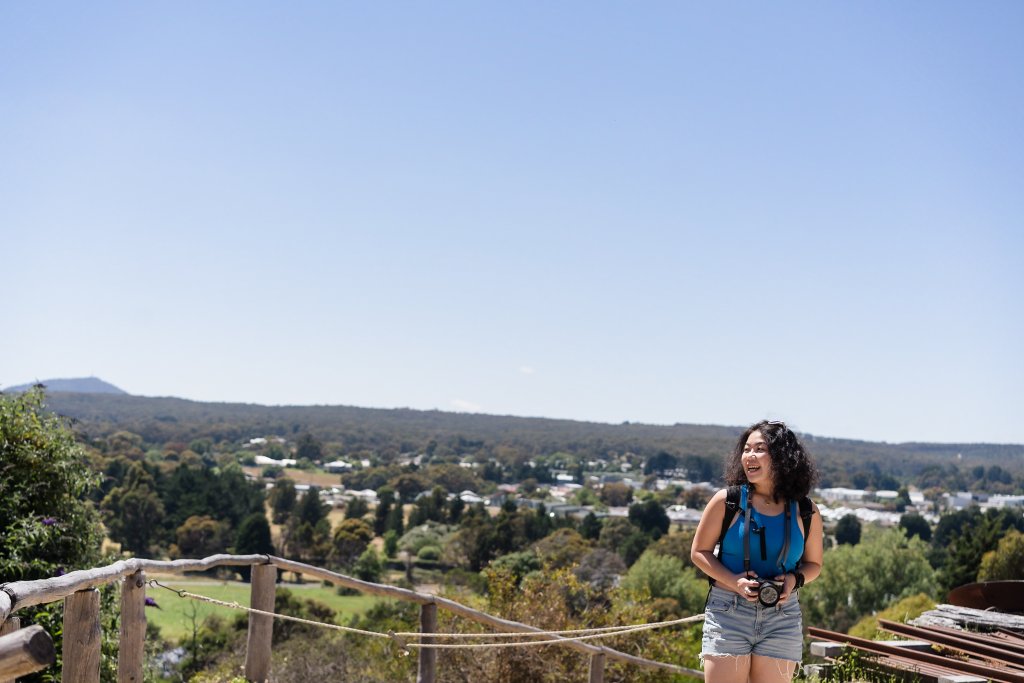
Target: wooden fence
(82,618)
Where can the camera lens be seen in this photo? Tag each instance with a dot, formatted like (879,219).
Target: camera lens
(768,594)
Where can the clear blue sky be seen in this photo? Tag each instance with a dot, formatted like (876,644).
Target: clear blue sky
(654,212)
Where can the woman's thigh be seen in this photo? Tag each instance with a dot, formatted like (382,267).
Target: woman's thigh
(771,670)
(728,669)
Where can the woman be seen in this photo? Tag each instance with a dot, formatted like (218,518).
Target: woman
(744,639)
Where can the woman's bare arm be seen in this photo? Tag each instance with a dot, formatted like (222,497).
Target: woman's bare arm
(702,552)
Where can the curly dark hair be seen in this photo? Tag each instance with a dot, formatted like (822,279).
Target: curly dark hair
(793,472)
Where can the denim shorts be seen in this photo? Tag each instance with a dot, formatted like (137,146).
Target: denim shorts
(734,626)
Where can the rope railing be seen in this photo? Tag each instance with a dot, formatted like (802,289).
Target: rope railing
(76,585)
(563,636)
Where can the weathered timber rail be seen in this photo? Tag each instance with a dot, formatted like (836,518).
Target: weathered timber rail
(24,651)
(81,615)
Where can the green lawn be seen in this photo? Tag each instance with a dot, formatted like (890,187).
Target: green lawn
(174,617)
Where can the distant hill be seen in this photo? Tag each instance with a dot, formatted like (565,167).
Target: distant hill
(389,432)
(76,385)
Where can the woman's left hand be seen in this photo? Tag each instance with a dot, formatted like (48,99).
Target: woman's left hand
(788,584)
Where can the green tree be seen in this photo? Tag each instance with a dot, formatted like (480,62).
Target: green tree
(307,542)
(253,539)
(903,499)
(46,521)
(221,493)
(662,576)
(390,542)
(200,536)
(590,527)
(453,478)
(133,512)
(916,525)
(650,517)
(368,567)
(311,509)
(676,545)
(619,536)
(408,485)
(395,520)
(661,462)
(562,548)
(417,537)
(961,540)
(1006,562)
(517,565)
(848,530)
(356,508)
(382,514)
(859,579)
(282,499)
(455,508)
(616,494)
(309,448)
(351,538)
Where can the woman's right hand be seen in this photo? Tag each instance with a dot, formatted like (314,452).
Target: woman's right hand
(746,586)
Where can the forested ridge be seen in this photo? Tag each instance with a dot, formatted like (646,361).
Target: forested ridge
(390,432)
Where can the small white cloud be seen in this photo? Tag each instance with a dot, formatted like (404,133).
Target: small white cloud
(527,370)
(465,406)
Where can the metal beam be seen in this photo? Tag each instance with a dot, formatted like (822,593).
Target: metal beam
(962,644)
(992,673)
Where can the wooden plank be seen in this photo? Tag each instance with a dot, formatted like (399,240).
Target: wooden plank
(131,653)
(19,594)
(428,656)
(951,615)
(261,626)
(81,638)
(7,601)
(8,627)
(25,651)
(597,668)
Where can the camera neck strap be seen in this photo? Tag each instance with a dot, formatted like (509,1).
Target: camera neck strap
(746,535)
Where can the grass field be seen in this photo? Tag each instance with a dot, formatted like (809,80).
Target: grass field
(174,615)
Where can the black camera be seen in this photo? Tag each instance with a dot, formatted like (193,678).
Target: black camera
(769,592)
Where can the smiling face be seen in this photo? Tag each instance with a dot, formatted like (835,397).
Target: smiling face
(757,462)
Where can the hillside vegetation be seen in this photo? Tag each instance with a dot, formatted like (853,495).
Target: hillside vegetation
(388,433)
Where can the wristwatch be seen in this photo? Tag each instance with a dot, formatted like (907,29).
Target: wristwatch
(799,580)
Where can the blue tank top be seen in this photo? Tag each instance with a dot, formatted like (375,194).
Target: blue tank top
(771,527)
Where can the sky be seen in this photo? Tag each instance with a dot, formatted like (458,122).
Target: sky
(652,212)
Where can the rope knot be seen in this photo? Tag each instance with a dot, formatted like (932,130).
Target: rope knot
(403,647)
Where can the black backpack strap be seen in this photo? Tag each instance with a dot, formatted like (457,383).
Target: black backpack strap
(806,512)
(732,506)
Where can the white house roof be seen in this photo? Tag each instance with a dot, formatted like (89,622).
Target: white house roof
(470,497)
(283,462)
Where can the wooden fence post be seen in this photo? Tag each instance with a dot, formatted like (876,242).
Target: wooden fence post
(132,651)
(6,628)
(81,637)
(24,651)
(261,626)
(597,667)
(428,655)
